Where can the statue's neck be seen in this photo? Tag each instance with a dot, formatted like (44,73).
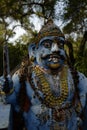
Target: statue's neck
(50,71)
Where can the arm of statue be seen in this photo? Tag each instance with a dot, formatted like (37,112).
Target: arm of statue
(16,115)
(82,86)
(7,85)
(11,87)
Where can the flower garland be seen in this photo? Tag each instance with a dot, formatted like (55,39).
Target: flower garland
(49,99)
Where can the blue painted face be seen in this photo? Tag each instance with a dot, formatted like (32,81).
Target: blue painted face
(50,52)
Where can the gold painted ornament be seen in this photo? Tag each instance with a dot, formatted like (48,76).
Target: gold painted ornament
(49,98)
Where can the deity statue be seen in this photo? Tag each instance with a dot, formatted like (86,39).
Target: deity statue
(47,93)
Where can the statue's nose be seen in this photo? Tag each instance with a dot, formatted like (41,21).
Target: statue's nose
(54,47)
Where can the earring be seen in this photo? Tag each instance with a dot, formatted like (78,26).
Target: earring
(32,58)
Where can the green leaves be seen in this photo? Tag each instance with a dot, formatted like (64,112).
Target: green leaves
(75,13)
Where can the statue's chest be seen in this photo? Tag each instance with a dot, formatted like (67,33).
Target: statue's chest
(53,90)
(51,95)
(51,99)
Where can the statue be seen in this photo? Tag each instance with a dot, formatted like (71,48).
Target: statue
(47,92)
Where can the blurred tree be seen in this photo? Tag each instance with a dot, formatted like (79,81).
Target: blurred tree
(1,59)
(81,57)
(20,10)
(16,54)
(74,15)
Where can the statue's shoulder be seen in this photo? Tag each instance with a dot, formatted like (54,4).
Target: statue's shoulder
(22,69)
(22,72)
(82,84)
(82,76)
(19,79)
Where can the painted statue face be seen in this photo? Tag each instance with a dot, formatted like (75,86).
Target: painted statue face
(50,52)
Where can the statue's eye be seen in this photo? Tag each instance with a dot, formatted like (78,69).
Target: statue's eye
(47,44)
(61,45)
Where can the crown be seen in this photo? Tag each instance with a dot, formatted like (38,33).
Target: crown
(49,29)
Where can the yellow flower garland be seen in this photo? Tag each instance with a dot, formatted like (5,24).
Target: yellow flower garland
(49,98)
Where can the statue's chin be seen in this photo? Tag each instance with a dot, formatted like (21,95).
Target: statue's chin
(54,66)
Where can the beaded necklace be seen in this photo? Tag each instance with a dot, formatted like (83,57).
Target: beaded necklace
(49,99)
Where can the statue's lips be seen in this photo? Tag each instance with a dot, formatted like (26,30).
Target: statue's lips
(54,58)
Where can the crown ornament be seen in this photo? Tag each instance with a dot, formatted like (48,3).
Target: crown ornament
(49,29)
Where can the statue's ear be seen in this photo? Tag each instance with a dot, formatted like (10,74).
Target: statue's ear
(31,51)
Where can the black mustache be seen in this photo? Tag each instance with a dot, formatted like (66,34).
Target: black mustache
(54,55)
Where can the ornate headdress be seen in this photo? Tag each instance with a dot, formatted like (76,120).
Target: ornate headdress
(49,29)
